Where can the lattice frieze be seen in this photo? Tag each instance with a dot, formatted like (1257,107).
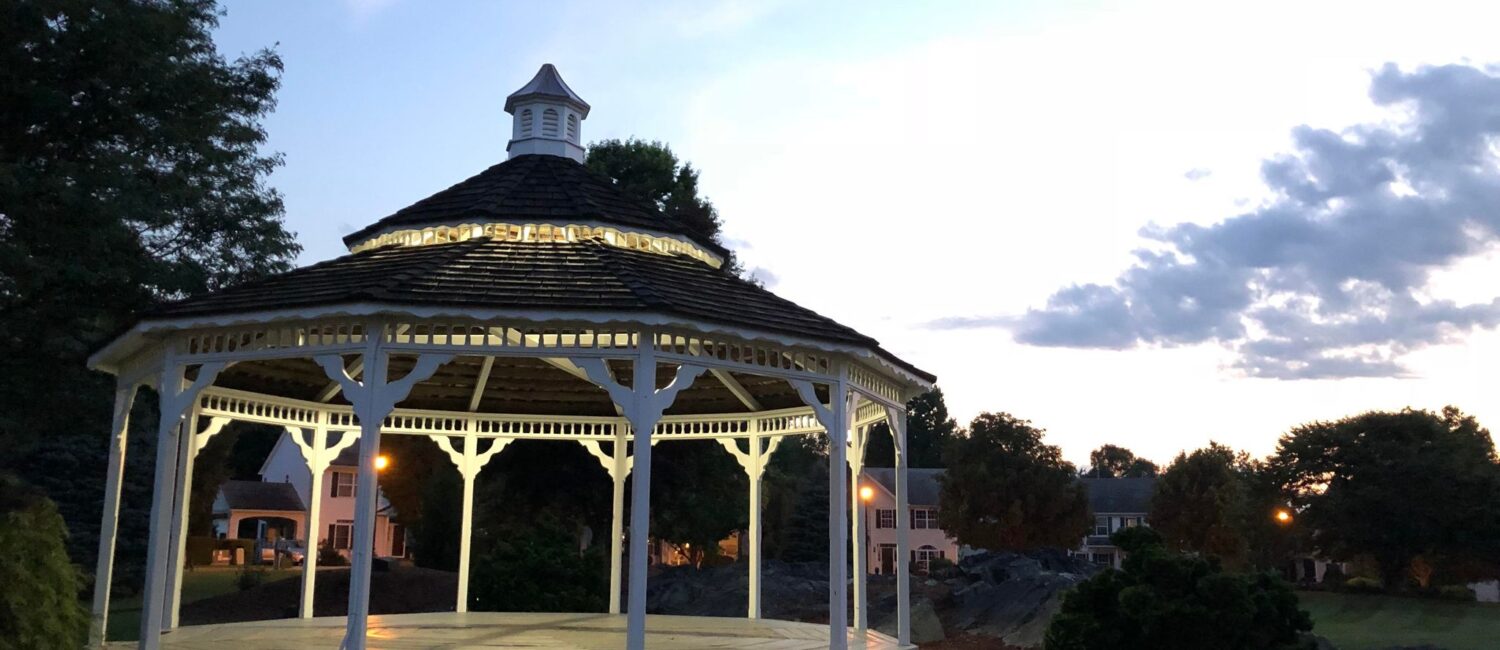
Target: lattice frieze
(423,424)
(540,232)
(545,428)
(867,380)
(696,427)
(788,423)
(751,355)
(342,333)
(502,337)
(868,413)
(244,407)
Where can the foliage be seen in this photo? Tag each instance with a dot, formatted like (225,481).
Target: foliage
(200,550)
(39,606)
(1200,504)
(1398,487)
(249,576)
(540,570)
(435,531)
(1169,601)
(1006,490)
(1111,461)
(795,495)
(928,430)
(652,172)
(699,494)
(130,171)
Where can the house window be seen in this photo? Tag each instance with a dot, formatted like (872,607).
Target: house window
(343,484)
(1101,526)
(885,518)
(923,518)
(1103,559)
(924,555)
(341,534)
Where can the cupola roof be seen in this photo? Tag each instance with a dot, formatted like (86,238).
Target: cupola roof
(547,84)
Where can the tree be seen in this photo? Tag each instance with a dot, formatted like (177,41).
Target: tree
(702,498)
(651,171)
(130,172)
(1200,503)
(540,570)
(1169,601)
(1404,487)
(39,606)
(1110,461)
(1006,490)
(928,430)
(795,513)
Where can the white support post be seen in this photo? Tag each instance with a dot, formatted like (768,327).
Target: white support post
(643,405)
(175,401)
(754,463)
(896,418)
(317,455)
(835,420)
(373,399)
(617,465)
(469,462)
(180,513)
(109,522)
(858,437)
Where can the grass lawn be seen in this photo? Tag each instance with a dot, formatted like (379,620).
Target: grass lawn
(1361,622)
(200,583)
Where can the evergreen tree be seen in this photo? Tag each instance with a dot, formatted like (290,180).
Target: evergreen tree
(929,430)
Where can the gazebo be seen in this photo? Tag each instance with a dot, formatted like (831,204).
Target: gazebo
(534,300)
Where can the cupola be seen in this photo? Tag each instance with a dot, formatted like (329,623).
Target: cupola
(546,117)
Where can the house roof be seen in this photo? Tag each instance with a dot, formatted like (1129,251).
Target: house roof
(261,495)
(535,188)
(921,490)
(547,83)
(1120,495)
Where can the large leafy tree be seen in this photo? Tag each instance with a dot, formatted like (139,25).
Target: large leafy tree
(1004,489)
(131,171)
(1412,489)
(1111,461)
(928,430)
(1169,601)
(651,171)
(1200,503)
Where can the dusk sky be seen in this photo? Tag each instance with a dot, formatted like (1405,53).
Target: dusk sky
(1150,224)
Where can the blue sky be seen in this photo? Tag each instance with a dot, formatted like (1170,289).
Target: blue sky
(1036,201)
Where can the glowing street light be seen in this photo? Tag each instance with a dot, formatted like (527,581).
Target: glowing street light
(866,493)
(1283,516)
(381,462)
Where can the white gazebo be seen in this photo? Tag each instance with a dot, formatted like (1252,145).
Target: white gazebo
(534,301)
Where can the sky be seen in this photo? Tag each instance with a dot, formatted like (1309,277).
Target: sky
(1152,224)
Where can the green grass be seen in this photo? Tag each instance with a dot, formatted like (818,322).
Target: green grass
(200,583)
(1361,622)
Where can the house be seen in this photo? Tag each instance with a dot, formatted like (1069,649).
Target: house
(926,540)
(275,507)
(1116,503)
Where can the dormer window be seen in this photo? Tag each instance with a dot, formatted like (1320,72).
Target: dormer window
(549,123)
(572,127)
(525,123)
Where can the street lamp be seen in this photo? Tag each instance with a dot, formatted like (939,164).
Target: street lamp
(866,493)
(381,462)
(1283,516)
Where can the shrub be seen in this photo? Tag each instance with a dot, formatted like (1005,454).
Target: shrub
(1363,585)
(39,605)
(1456,592)
(1333,576)
(540,570)
(200,551)
(249,577)
(328,556)
(1169,601)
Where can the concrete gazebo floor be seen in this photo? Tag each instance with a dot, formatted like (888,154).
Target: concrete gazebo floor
(514,630)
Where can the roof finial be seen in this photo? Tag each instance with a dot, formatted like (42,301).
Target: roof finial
(547,117)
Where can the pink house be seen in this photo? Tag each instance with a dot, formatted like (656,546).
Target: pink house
(879,503)
(275,507)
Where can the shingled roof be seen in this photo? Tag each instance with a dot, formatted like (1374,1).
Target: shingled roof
(1120,495)
(535,188)
(261,495)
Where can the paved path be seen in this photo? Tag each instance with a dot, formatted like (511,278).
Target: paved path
(489,630)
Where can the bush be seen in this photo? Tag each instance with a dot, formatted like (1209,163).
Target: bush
(200,551)
(328,556)
(1333,576)
(249,577)
(1456,592)
(39,605)
(1362,585)
(1169,601)
(540,570)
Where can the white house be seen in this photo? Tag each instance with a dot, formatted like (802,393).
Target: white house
(275,507)
(1116,503)
(879,503)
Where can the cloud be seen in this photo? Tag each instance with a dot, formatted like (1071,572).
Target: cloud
(362,10)
(1197,174)
(1331,277)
